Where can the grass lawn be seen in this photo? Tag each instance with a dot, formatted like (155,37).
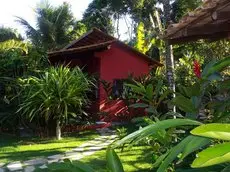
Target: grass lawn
(14,149)
(137,158)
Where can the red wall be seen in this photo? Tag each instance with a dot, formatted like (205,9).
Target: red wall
(117,63)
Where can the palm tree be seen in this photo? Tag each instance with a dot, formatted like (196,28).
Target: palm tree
(57,95)
(8,34)
(56,26)
(169,58)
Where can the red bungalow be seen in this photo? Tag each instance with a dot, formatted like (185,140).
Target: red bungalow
(110,60)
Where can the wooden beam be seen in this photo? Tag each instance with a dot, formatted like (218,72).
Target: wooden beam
(220,15)
(210,37)
(206,29)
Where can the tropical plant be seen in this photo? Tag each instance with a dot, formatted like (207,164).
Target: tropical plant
(217,154)
(121,132)
(56,26)
(193,100)
(9,34)
(149,96)
(201,136)
(13,62)
(56,95)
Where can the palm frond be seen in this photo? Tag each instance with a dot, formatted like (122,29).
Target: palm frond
(14,44)
(31,32)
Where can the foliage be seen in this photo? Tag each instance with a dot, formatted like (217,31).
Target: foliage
(9,34)
(196,98)
(96,16)
(57,94)
(140,45)
(201,138)
(113,162)
(154,129)
(218,153)
(149,96)
(56,26)
(121,132)
(182,7)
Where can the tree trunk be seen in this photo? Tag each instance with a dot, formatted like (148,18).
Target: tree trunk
(169,60)
(58,130)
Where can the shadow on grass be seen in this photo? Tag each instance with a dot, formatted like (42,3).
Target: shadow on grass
(136,159)
(13,148)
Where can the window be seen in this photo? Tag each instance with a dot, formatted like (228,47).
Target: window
(118,87)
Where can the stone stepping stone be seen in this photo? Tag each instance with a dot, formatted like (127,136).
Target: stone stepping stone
(2,170)
(104,137)
(95,148)
(85,145)
(79,149)
(100,139)
(61,161)
(58,156)
(53,160)
(29,169)
(43,167)
(14,166)
(75,157)
(87,153)
(72,153)
(35,162)
(113,136)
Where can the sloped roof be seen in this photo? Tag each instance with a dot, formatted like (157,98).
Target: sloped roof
(95,36)
(209,21)
(83,48)
(96,40)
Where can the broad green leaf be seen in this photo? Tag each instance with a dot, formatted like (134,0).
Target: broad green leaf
(219,66)
(195,101)
(184,104)
(215,77)
(207,68)
(193,90)
(139,105)
(163,96)
(173,153)
(137,89)
(154,128)
(113,161)
(159,160)
(149,92)
(195,144)
(217,154)
(226,169)
(82,166)
(186,147)
(216,131)
(151,110)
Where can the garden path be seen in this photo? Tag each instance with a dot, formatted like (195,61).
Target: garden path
(106,137)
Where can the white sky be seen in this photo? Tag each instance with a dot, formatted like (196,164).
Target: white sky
(25,9)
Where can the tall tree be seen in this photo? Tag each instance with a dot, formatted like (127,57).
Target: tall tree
(56,26)
(169,59)
(98,15)
(9,33)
